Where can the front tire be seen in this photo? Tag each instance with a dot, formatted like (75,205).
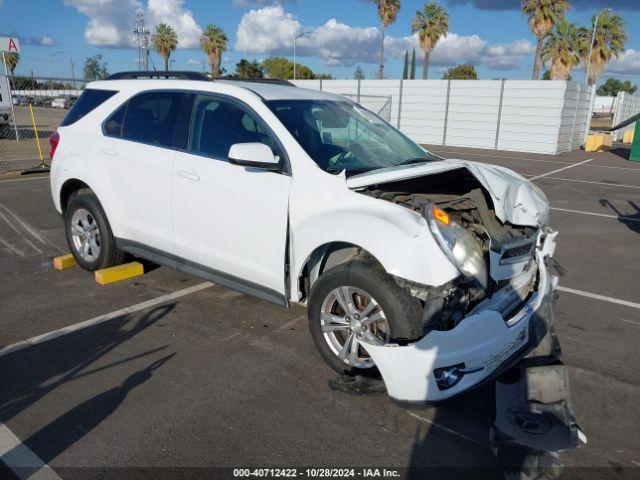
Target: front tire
(89,234)
(359,302)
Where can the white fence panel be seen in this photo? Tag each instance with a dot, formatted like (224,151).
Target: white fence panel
(526,116)
(626,106)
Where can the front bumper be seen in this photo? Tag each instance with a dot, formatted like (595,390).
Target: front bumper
(485,342)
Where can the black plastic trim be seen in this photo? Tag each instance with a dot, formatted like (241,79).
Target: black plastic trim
(206,273)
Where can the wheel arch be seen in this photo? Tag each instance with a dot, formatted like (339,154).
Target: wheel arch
(325,257)
(69,187)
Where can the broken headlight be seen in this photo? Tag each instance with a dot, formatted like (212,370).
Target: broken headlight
(458,245)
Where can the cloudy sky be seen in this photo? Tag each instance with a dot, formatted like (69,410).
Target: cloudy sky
(491,34)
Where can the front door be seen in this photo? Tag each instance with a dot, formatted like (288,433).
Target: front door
(228,219)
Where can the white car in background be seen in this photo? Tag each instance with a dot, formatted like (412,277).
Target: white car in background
(434,271)
(61,102)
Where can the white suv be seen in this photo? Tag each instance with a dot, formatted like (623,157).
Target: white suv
(432,270)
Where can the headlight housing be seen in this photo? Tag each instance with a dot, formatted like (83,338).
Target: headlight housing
(458,245)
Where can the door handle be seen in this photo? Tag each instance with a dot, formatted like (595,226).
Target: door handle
(194,177)
(108,151)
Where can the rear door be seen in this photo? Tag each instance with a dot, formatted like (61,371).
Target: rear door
(141,137)
(230,221)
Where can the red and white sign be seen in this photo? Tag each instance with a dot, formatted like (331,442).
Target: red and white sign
(8,44)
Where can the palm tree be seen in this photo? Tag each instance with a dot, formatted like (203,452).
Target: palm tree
(12,59)
(388,13)
(165,41)
(562,49)
(608,42)
(543,15)
(214,42)
(431,24)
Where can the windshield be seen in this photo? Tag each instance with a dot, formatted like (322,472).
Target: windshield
(340,135)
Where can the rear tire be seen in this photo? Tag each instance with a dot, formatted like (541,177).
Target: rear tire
(89,234)
(341,312)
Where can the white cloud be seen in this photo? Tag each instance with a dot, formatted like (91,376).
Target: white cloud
(47,41)
(193,61)
(258,3)
(270,30)
(111,21)
(627,64)
(172,12)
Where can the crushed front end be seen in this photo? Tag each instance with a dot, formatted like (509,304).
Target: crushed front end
(487,319)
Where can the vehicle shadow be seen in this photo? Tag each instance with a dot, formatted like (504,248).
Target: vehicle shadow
(632,221)
(454,443)
(31,374)
(621,151)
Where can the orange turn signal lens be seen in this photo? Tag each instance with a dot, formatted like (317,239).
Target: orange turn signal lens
(441,216)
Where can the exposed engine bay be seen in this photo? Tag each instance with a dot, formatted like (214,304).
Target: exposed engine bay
(465,200)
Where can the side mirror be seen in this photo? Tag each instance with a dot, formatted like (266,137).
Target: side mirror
(255,155)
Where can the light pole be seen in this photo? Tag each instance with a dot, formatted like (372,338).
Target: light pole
(295,38)
(51,57)
(593,39)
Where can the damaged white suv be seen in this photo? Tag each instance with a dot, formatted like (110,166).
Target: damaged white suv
(433,271)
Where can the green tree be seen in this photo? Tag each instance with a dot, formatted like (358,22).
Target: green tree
(282,68)
(562,49)
(358,74)
(405,67)
(465,71)
(431,24)
(412,74)
(164,41)
(247,69)
(214,43)
(613,86)
(95,68)
(609,41)
(11,59)
(542,15)
(388,13)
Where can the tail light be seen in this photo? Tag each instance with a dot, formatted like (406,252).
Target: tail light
(54,139)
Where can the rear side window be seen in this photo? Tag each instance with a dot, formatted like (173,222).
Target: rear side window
(88,101)
(113,125)
(152,117)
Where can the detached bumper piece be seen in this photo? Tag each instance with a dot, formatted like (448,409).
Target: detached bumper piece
(534,418)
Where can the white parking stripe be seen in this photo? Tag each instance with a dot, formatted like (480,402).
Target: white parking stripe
(23,179)
(561,169)
(102,318)
(443,152)
(597,296)
(608,184)
(605,215)
(446,429)
(21,460)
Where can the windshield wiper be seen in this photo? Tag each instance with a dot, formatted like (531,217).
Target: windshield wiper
(412,161)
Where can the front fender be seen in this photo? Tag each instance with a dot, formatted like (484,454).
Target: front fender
(399,239)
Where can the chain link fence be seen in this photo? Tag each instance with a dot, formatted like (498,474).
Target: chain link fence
(36,109)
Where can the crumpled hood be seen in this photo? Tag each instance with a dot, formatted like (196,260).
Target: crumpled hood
(516,200)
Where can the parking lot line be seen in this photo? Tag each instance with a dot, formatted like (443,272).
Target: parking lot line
(23,179)
(102,318)
(21,460)
(446,429)
(607,184)
(605,215)
(561,169)
(597,296)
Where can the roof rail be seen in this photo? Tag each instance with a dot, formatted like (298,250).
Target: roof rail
(160,74)
(275,81)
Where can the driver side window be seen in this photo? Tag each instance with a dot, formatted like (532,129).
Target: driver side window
(216,124)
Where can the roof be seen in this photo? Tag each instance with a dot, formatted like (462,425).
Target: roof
(266,91)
